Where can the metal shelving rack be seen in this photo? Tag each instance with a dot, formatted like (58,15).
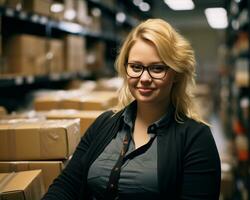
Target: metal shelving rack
(238,122)
(19,21)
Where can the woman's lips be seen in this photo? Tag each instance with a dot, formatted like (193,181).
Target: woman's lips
(145,91)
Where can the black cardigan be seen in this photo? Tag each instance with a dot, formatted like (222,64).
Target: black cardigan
(188,161)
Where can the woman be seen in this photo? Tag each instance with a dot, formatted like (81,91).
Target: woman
(154,146)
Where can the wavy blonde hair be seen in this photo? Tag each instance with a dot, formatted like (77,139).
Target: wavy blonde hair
(175,51)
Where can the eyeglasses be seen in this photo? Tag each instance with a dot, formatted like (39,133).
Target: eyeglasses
(155,71)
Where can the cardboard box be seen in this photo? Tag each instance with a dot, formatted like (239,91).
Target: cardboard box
(47,103)
(227,184)
(98,100)
(16,4)
(52,100)
(26,185)
(46,140)
(30,116)
(109,84)
(2,2)
(37,6)
(95,17)
(86,117)
(74,52)
(96,57)
(50,169)
(94,100)
(82,12)
(3,111)
(55,56)
(26,54)
(69,10)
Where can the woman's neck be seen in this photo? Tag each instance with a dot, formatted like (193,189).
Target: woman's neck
(150,113)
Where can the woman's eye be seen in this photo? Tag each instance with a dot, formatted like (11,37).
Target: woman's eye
(157,68)
(136,67)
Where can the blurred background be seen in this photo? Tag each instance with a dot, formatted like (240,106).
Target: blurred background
(57,63)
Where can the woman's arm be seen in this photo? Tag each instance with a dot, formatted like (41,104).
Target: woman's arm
(201,166)
(68,184)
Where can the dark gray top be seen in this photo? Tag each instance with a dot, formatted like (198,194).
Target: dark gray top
(138,178)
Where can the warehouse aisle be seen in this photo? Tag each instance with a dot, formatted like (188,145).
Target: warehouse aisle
(218,134)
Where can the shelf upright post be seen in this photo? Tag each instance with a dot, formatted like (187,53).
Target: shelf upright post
(48,33)
(248,113)
(1,45)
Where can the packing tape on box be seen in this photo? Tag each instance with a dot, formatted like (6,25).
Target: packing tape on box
(43,133)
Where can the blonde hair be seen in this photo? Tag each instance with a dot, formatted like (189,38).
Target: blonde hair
(175,51)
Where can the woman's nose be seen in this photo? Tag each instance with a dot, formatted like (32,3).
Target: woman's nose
(145,76)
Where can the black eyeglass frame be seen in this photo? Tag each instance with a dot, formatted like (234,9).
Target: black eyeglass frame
(147,67)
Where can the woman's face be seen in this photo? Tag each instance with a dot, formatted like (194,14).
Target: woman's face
(146,89)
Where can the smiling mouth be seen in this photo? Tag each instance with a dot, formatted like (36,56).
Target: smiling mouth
(145,90)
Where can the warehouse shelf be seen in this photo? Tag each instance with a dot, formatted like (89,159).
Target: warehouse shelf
(101,34)
(102,6)
(23,15)
(23,80)
(129,20)
(236,113)
(68,27)
(130,7)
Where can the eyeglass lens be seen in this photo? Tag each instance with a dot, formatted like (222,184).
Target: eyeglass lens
(157,71)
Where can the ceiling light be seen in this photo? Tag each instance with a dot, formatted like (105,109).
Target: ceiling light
(225,167)
(216,17)
(180,4)
(96,12)
(137,2)
(120,17)
(56,7)
(70,14)
(145,7)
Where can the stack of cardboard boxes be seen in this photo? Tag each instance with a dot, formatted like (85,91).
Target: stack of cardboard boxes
(32,55)
(24,54)
(95,100)
(44,8)
(27,144)
(46,139)
(3,111)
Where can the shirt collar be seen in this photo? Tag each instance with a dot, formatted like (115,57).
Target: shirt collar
(129,116)
(130,113)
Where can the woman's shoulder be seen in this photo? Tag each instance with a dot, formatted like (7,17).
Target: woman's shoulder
(194,131)
(106,116)
(190,128)
(189,123)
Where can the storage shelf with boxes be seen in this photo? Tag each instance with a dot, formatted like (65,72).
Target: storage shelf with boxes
(51,35)
(235,90)
(52,130)
(52,23)
(44,51)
